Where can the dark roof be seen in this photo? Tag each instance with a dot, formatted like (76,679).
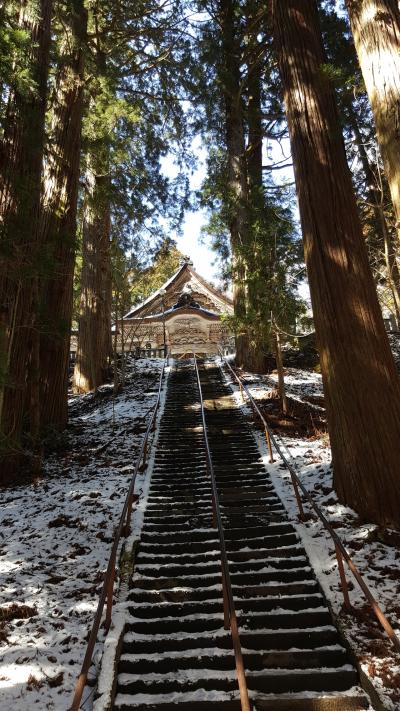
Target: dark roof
(185,266)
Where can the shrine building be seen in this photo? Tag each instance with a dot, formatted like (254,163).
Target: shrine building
(182,317)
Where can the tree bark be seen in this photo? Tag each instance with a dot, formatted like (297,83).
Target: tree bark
(21,157)
(94,340)
(237,176)
(58,228)
(361,385)
(255,357)
(375,25)
(373,196)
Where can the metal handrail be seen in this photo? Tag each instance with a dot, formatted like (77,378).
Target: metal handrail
(340,550)
(230,618)
(108,584)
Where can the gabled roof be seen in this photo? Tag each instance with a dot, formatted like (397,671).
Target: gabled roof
(179,311)
(186,266)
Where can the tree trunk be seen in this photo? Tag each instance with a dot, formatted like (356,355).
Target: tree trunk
(374,197)
(58,229)
(94,340)
(257,348)
(33,405)
(375,25)
(237,178)
(361,385)
(21,157)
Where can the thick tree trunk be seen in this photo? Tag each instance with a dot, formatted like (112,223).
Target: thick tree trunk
(21,157)
(58,230)
(361,385)
(257,347)
(94,340)
(237,178)
(375,26)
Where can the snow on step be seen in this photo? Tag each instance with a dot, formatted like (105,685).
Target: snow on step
(130,700)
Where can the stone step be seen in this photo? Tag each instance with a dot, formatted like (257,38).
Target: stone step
(176,595)
(238,579)
(177,569)
(247,621)
(145,610)
(176,511)
(201,534)
(214,592)
(254,640)
(170,525)
(323,679)
(257,542)
(191,496)
(217,658)
(167,543)
(209,702)
(263,555)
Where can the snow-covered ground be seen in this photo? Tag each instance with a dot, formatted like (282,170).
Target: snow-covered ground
(55,539)
(378,562)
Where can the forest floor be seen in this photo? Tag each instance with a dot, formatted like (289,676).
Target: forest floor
(55,537)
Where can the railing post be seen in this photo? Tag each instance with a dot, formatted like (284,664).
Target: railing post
(144,460)
(110,593)
(241,675)
(343,581)
(298,497)
(127,525)
(214,513)
(268,438)
(227,616)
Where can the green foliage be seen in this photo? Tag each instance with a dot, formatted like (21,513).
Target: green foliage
(15,69)
(271,252)
(144,281)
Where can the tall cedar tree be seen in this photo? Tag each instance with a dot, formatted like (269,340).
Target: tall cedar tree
(21,157)
(237,173)
(375,25)
(361,384)
(59,212)
(94,340)
(134,118)
(253,26)
(233,51)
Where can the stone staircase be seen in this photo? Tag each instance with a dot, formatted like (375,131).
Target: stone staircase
(175,651)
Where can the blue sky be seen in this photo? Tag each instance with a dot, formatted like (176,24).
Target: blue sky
(191,242)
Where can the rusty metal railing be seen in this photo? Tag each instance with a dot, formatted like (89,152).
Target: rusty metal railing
(340,550)
(123,529)
(230,618)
